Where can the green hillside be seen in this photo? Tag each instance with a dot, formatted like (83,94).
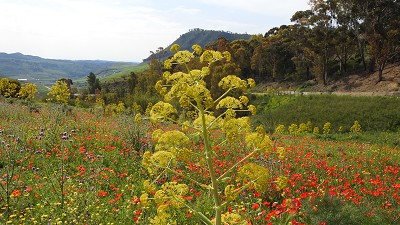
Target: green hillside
(112,73)
(39,70)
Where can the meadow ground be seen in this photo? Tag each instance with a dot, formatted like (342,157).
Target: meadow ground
(79,167)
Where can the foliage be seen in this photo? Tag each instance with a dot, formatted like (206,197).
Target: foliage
(9,87)
(59,92)
(27,91)
(93,83)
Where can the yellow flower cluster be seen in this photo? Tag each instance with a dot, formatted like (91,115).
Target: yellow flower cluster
(211,56)
(251,82)
(182,57)
(144,200)
(252,109)
(200,94)
(230,192)
(174,141)
(210,120)
(235,127)
(259,141)
(254,175)
(356,128)
(197,49)
(293,128)
(327,128)
(163,217)
(280,129)
(281,182)
(244,99)
(316,130)
(138,119)
(160,159)
(229,103)
(303,128)
(149,187)
(162,111)
(175,191)
(281,152)
(232,82)
(175,48)
(232,219)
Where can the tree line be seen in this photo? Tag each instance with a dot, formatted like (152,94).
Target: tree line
(327,41)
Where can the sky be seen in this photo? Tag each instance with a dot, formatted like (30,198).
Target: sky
(127,30)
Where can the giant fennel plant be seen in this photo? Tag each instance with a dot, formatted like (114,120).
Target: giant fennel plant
(189,88)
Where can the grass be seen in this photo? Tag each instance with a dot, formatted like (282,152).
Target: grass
(115,72)
(373,113)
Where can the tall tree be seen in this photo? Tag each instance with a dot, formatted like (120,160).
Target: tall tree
(93,83)
(322,22)
(382,24)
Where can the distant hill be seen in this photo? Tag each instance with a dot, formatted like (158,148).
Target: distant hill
(200,37)
(34,68)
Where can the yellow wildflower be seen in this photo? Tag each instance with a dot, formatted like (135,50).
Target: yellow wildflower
(162,110)
(197,49)
(174,48)
(281,182)
(254,175)
(149,187)
(232,82)
(230,192)
(230,103)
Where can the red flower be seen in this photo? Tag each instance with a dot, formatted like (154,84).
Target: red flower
(16,193)
(102,194)
(255,206)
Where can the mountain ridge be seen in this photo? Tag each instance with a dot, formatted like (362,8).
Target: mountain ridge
(33,68)
(198,36)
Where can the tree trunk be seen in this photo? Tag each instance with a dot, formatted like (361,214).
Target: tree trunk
(381,67)
(362,54)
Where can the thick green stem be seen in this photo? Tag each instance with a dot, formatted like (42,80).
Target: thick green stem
(214,181)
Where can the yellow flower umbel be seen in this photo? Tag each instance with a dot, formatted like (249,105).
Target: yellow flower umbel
(174,142)
(254,176)
(356,128)
(327,128)
(162,111)
(281,152)
(149,187)
(280,129)
(281,182)
(235,127)
(259,141)
(230,192)
(158,160)
(204,112)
